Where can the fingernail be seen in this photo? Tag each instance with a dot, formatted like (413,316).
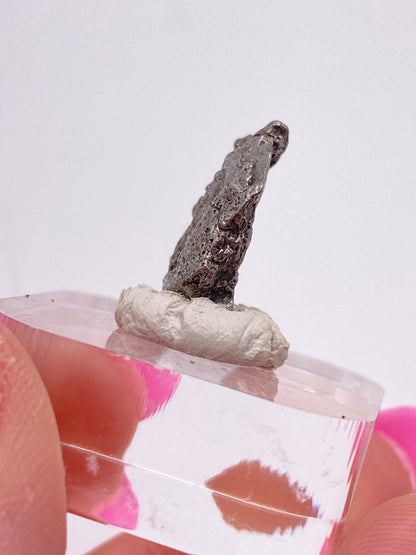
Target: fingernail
(399,426)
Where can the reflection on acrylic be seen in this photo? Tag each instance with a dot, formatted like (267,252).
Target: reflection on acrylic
(254,497)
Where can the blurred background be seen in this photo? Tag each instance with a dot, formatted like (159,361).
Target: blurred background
(116,114)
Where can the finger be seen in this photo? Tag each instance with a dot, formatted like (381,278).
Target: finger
(98,401)
(32,482)
(125,544)
(389,529)
(99,398)
(384,476)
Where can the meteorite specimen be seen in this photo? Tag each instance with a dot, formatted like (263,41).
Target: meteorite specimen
(206,259)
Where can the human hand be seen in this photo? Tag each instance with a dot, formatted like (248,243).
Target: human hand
(32,477)
(382,516)
(33,503)
(90,409)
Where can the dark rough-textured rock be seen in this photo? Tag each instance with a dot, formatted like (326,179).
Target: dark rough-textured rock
(206,259)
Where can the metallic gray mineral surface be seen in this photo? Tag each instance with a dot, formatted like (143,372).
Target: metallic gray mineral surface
(207,257)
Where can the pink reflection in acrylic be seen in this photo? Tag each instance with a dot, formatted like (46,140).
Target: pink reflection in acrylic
(123,509)
(161,385)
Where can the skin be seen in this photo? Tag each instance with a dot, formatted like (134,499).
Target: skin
(32,486)
(33,503)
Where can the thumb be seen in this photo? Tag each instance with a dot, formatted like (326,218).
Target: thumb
(388,529)
(32,480)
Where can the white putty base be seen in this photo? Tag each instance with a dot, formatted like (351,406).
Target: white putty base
(244,336)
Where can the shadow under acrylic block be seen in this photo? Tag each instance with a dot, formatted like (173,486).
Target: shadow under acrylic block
(201,456)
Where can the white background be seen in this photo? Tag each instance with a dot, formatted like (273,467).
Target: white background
(115,114)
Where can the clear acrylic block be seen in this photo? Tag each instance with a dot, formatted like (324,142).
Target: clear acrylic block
(201,456)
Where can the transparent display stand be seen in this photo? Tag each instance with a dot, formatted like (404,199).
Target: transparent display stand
(201,456)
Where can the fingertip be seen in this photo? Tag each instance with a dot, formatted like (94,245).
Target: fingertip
(32,480)
(389,529)
(132,545)
(383,477)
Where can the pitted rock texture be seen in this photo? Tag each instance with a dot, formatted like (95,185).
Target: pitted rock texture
(206,259)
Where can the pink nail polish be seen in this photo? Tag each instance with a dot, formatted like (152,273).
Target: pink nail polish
(399,426)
